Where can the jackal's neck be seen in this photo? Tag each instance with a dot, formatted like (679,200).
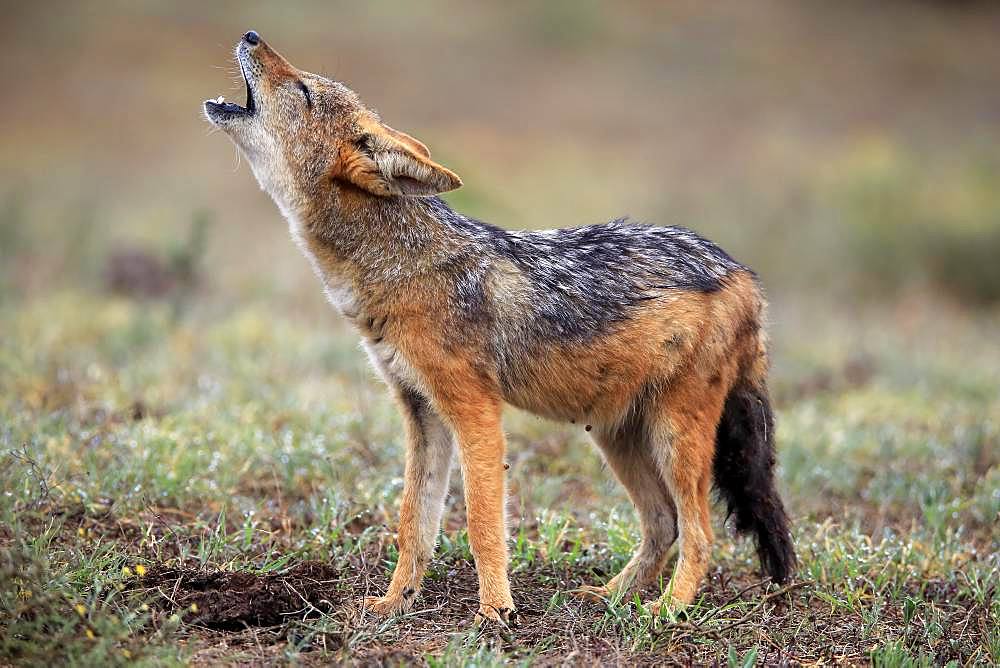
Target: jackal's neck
(388,236)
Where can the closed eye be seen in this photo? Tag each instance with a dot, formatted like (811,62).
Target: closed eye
(305,91)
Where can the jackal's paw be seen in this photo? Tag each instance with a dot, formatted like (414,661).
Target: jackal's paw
(505,616)
(667,608)
(387,605)
(592,593)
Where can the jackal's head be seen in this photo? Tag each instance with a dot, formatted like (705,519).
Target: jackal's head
(305,135)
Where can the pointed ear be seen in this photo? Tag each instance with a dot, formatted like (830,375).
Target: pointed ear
(388,162)
(414,145)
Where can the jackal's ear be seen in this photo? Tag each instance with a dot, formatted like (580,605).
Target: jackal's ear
(387,162)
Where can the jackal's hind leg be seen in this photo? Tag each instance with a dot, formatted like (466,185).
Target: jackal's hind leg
(628,454)
(686,439)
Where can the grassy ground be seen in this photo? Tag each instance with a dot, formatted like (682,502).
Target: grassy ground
(194,486)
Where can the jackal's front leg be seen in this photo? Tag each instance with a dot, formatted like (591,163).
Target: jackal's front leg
(481,450)
(429,450)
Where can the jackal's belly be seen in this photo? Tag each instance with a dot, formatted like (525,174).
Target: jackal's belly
(574,399)
(586,382)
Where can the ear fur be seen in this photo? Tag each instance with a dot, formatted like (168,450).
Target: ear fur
(414,145)
(387,162)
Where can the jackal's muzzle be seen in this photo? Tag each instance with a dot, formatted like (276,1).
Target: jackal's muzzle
(218,110)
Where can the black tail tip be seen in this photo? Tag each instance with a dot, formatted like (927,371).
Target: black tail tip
(777,555)
(744,476)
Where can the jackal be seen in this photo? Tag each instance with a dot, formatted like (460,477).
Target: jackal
(651,335)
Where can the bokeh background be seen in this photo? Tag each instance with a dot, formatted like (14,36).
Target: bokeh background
(168,362)
(848,151)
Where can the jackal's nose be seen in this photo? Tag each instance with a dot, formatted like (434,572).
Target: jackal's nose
(251,38)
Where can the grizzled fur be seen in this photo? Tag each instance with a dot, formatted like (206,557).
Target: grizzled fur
(586,278)
(581,280)
(650,336)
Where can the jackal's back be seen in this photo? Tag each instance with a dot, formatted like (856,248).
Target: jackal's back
(582,280)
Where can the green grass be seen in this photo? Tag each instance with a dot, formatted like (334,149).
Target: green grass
(240,441)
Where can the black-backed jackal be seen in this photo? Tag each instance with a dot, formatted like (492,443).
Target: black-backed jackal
(652,335)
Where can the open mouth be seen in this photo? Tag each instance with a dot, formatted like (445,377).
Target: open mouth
(219,109)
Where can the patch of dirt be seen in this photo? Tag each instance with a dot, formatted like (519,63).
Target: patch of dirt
(233,601)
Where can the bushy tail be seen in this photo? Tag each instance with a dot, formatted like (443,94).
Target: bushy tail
(744,477)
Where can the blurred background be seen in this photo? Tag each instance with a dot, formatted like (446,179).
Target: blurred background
(848,151)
